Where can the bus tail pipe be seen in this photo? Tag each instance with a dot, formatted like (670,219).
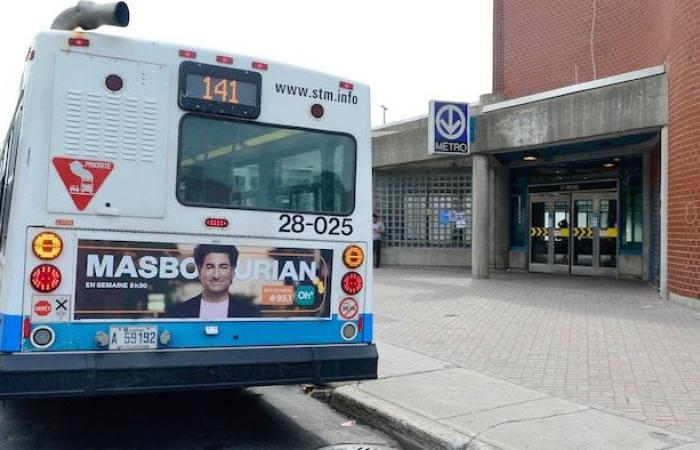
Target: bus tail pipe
(90,15)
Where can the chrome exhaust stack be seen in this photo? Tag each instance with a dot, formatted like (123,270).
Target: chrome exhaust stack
(90,15)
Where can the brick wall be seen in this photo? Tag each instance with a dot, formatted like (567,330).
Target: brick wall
(684,149)
(541,45)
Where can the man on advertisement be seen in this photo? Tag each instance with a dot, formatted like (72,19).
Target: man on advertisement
(216,266)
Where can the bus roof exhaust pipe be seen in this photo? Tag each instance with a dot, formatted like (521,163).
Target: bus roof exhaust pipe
(90,15)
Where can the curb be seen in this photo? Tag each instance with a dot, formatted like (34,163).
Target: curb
(410,429)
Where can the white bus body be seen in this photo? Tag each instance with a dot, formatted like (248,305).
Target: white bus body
(102,155)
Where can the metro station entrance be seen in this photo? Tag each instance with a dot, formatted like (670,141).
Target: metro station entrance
(574,228)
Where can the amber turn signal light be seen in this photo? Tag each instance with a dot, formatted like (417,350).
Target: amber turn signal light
(353,257)
(47,245)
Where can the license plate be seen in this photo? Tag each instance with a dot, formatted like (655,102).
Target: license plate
(133,338)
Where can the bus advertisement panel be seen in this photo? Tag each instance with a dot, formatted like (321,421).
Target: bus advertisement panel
(149,280)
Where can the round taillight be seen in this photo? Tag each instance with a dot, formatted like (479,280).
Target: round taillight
(349,331)
(114,82)
(317,111)
(45,278)
(42,337)
(353,257)
(47,245)
(352,283)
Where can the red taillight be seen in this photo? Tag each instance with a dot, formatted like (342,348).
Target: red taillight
(45,278)
(78,42)
(317,110)
(224,59)
(360,323)
(26,328)
(259,65)
(188,54)
(352,283)
(216,222)
(346,85)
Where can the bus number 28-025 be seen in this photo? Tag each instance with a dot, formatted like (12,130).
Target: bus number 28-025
(334,226)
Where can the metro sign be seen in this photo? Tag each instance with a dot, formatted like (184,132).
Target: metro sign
(448,128)
(82,177)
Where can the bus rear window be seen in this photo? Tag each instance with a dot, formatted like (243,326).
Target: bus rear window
(231,164)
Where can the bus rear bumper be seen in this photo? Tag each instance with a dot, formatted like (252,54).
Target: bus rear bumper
(55,374)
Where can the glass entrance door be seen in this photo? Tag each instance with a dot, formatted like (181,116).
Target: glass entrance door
(574,233)
(594,233)
(549,233)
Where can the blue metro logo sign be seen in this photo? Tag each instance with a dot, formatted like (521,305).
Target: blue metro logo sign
(448,128)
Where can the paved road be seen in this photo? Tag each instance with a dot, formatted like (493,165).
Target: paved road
(610,344)
(261,418)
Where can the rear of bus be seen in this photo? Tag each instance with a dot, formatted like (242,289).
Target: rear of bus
(147,179)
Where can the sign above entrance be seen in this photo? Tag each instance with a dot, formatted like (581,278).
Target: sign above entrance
(448,128)
(575,187)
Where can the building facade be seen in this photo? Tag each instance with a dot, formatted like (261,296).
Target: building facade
(583,160)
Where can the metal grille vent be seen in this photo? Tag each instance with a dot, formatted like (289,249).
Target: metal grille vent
(107,126)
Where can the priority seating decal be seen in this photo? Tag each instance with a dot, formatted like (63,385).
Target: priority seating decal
(82,177)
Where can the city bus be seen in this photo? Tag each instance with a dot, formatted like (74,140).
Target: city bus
(177,218)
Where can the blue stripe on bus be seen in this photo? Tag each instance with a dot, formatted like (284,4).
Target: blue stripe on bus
(81,336)
(10,332)
(368,327)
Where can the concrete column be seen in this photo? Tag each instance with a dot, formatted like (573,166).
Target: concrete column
(492,214)
(501,218)
(663,269)
(480,216)
(646,223)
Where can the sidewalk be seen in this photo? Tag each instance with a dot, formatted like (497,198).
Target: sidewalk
(427,403)
(530,361)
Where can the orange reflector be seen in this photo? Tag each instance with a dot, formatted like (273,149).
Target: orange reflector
(45,278)
(47,245)
(352,283)
(64,222)
(353,257)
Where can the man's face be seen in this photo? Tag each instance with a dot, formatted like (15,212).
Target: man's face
(216,274)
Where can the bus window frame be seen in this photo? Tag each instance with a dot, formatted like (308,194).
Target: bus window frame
(8,161)
(279,126)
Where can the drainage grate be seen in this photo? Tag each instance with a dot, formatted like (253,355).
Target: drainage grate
(356,447)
